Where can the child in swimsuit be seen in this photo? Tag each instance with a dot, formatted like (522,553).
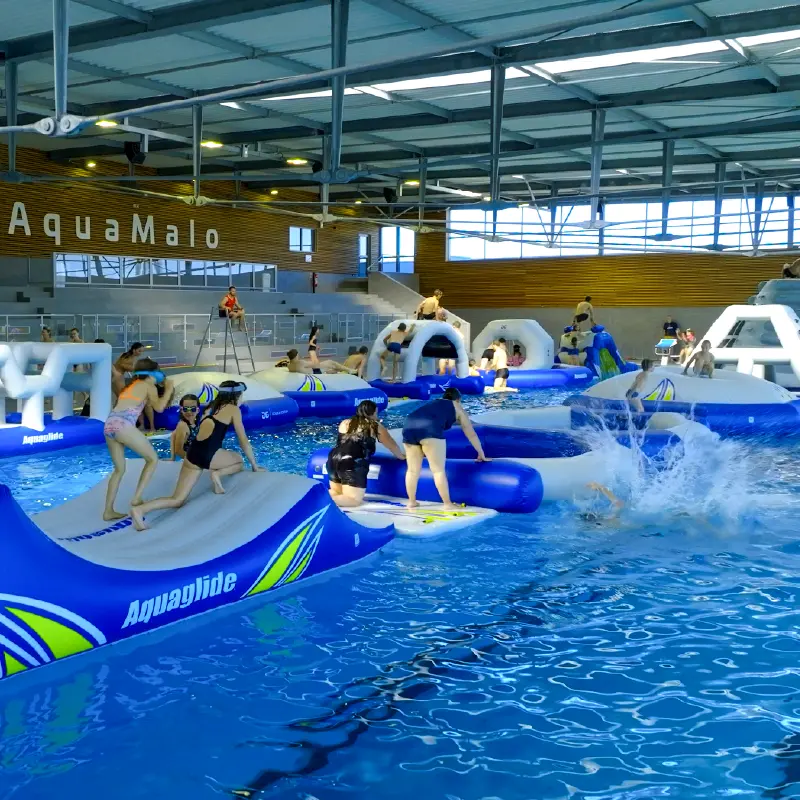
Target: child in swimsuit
(348,462)
(313,356)
(120,430)
(394,345)
(632,395)
(206,453)
(186,429)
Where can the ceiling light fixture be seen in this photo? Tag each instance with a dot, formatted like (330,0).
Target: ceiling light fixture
(487,198)
(273,192)
(359,202)
(91,164)
(297,162)
(211,145)
(106,123)
(411,183)
(623,172)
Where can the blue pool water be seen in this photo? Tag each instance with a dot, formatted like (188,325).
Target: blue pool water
(541,656)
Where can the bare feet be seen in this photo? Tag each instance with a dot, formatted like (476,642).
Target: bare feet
(217,485)
(112,516)
(412,504)
(138,519)
(450,506)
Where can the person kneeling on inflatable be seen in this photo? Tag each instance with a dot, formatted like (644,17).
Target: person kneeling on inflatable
(632,395)
(423,437)
(348,462)
(206,453)
(703,361)
(186,429)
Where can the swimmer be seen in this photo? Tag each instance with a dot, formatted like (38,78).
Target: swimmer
(348,461)
(423,437)
(186,429)
(516,359)
(296,364)
(357,362)
(488,355)
(312,356)
(689,340)
(206,453)
(474,372)
(500,366)
(573,353)
(447,365)
(47,335)
(584,311)
(394,345)
(120,430)
(429,306)
(703,361)
(632,395)
(616,505)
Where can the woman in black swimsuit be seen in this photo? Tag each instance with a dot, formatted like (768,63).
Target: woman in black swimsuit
(313,356)
(348,462)
(206,453)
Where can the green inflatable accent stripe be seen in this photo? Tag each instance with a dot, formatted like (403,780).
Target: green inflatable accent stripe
(301,568)
(12,665)
(277,570)
(61,640)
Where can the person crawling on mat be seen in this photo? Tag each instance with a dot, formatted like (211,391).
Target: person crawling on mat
(423,437)
(120,430)
(356,363)
(206,453)
(394,345)
(633,394)
(703,361)
(301,366)
(186,429)
(348,462)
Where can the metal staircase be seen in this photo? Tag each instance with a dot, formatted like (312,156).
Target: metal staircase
(229,338)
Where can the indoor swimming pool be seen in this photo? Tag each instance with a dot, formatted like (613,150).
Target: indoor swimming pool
(555,655)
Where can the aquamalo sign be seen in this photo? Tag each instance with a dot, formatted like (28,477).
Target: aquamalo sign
(89,228)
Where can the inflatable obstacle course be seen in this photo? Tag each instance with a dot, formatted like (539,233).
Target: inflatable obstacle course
(70,583)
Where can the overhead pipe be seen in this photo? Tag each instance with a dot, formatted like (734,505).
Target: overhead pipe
(340,14)
(255,89)
(719,190)
(666,181)
(758,207)
(197,149)
(60,54)
(790,205)
(423,188)
(598,131)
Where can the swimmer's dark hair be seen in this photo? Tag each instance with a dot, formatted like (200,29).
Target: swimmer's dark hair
(402,326)
(227,396)
(364,420)
(587,299)
(99,341)
(146,365)
(451,394)
(134,346)
(574,340)
(517,348)
(363,350)
(192,397)
(292,354)
(437,292)
(647,363)
(501,340)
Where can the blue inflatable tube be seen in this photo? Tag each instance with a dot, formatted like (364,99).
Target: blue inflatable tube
(556,378)
(66,432)
(473,384)
(58,604)
(274,412)
(501,485)
(727,419)
(404,391)
(336,404)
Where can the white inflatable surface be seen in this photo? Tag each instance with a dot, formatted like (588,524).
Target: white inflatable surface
(208,526)
(281,380)
(428,519)
(206,385)
(537,344)
(668,383)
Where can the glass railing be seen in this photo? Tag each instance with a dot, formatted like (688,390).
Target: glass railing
(167,333)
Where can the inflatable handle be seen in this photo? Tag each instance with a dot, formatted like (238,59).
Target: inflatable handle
(501,485)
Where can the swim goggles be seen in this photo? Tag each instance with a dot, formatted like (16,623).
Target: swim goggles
(239,388)
(157,375)
(189,409)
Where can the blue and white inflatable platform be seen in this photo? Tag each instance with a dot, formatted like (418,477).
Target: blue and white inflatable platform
(327,395)
(262,406)
(70,583)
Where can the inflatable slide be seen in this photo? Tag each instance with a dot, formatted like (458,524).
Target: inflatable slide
(70,583)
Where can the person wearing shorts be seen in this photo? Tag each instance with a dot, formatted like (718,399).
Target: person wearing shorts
(348,462)
(394,347)
(583,312)
(428,308)
(633,395)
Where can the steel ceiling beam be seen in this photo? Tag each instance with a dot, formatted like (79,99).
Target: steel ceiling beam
(179,19)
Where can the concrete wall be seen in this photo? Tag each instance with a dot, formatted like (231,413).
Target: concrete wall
(635,330)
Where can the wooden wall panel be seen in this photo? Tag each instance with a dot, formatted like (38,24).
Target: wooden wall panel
(257,234)
(656,279)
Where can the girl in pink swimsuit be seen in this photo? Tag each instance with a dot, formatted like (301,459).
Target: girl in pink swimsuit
(120,430)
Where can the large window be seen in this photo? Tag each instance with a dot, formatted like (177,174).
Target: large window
(301,240)
(82,268)
(397,249)
(364,250)
(565,230)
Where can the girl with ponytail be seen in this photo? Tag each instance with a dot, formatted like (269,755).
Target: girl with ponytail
(348,462)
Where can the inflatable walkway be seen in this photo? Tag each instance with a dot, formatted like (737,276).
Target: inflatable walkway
(70,583)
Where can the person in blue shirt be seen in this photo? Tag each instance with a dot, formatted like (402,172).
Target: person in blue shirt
(671,328)
(423,437)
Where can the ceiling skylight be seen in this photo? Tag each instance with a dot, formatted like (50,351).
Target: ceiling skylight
(768,38)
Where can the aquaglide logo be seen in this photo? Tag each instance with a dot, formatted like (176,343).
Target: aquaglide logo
(41,439)
(141,611)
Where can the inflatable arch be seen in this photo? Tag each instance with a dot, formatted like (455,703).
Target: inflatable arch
(424,331)
(534,339)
